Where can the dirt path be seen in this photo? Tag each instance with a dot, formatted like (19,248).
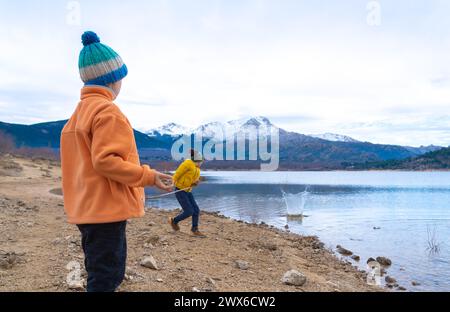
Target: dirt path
(36,244)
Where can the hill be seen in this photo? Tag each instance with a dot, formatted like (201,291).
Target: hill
(48,135)
(436,160)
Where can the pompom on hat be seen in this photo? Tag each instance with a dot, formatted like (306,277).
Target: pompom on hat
(98,63)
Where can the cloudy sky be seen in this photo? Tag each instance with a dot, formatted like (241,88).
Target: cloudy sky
(375,70)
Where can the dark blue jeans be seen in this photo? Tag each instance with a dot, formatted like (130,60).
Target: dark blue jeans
(105,255)
(190,209)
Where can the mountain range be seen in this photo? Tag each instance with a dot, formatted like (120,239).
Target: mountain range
(334,137)
(213,130)
(297,151)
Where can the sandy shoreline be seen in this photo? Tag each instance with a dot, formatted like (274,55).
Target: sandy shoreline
(33,231)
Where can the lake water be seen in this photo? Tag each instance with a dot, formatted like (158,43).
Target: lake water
(392,214)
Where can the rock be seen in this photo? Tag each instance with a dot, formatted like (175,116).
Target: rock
(159,280)
(401,288)
(211,281)
(153,239)
(243,265)
(149,262)
(270,246)
(132,275)
(7,260)
(56,241)
(195,289)
(264,245)
(343,251)
(318,245)
(293,278)
(390,280)
(376,228)
(414,283)
(163,239)
(56,191)
(5,265)
(371,260)
(149,245)
(77,285)
(356,257)
(384,261)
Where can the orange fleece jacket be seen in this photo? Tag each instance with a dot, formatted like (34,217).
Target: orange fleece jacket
(102,178)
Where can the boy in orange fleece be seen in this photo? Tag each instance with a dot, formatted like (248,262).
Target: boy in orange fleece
(103,181)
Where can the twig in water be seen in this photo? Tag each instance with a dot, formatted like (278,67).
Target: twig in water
(432,244)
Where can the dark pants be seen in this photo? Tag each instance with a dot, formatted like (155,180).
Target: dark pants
(190,209)
(105,255)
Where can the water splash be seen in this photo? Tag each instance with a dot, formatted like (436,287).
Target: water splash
(295,203)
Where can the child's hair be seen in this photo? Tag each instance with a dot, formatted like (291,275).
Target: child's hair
(196,156)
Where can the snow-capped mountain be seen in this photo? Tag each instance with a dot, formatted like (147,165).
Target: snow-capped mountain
(249,127)
(333,137)
(171,129)
(246,127)
(240,128)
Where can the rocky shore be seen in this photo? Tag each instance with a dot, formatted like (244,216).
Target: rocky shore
(39,251)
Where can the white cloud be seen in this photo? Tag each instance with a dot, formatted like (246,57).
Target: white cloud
(220,61)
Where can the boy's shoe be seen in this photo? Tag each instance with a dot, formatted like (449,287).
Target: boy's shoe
(197,233)
(174,226)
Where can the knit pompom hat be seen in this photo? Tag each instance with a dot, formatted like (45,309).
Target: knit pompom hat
(98,63)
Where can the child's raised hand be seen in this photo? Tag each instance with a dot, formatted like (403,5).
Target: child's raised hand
(163,181)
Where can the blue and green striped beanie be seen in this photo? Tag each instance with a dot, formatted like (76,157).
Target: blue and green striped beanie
(98,63)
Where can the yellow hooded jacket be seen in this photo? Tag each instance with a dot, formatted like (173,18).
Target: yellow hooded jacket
(186,175)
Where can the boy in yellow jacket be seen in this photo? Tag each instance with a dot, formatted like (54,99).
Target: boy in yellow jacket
(185,178)
(103,180)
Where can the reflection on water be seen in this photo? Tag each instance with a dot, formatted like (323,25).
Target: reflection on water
(371,213)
